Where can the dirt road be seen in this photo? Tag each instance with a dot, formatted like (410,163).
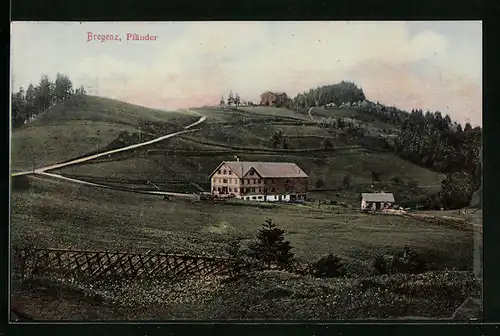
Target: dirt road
(187,129)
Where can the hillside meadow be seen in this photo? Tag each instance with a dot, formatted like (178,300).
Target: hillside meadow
(82,125)
(245,133)
(67,215)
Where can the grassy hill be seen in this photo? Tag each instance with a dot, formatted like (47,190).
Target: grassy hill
(245,132)
(55,213)
(68,215)
(82,124)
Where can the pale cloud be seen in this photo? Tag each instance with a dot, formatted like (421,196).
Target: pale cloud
(193,64)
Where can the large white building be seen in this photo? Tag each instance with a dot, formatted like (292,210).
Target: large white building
(259,181)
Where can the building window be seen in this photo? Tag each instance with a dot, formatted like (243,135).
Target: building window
(224,181)
(224,172)
(219,171)
(251,172)
(253,197)
(215,189)
(253,181)
(235,189)
(230,172)
(273,190)
(286,181)
(218,189)
(253,189)
(260,181)
(260,197)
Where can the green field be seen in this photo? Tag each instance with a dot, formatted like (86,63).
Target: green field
(245,133)
(83,124)
(67,215)
(53,213)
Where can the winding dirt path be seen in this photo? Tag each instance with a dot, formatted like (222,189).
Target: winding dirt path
(187,129)
(43,171)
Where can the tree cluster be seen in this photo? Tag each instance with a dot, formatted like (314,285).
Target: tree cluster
(278,140)
(444,146)
(386,114)
(232,99)
(26,105)
(438,143)
(403,261)
(337,93)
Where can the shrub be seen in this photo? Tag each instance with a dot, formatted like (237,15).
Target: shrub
(408,261)
(381,265)
(405,261)
(329,266)
(235,250)
(397,180)
(412,184)
(346,181)
(319,183)
(20,183)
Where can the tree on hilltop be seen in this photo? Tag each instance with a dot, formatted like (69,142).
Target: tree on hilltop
(80,91)
(237,100)
(63,88)
(30,101)
(230,98)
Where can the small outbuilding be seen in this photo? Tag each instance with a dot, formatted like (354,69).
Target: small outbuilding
(376,201)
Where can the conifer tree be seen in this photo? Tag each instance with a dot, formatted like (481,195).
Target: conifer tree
(271,246)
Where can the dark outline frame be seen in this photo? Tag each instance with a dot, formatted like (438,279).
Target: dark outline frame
(59,10)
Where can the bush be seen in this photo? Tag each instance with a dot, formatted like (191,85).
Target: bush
(412,184)
(405,261)
(319,183)
(408,261)
(235,250)
(397,180)
(329,266)
(20,183)
(381,265)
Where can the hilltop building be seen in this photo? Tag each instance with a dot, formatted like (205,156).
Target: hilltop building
(259,181)
(376,201)
(273,98)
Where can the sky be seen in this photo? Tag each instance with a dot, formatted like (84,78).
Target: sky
(431,65)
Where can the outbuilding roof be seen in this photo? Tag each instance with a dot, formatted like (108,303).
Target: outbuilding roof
(378,197)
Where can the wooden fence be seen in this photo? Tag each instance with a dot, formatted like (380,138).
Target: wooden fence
(96,265)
